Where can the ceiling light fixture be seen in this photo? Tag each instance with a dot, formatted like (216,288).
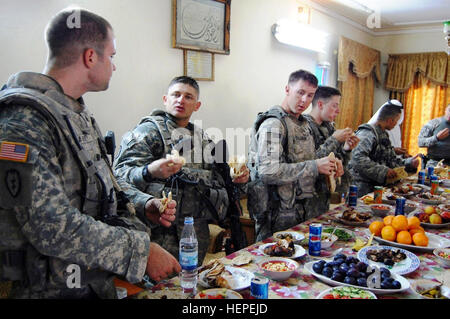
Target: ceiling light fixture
(300,35)
(356,5)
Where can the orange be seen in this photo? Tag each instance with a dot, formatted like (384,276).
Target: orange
(388,233)
(388,220)
(420,239)
(417,230)
(413,222)
(404,237)
(375,227)
(400,222)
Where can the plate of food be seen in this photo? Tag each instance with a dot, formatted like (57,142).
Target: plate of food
(218,293)
(397,260)
(406,190)
(346,292)
(217,275)
(434,241)
(289,235)
(389,198)
(428,198)
(338,272)
(283,249)
(354,217)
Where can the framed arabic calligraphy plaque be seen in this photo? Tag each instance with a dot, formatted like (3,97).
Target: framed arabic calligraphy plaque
(202,25)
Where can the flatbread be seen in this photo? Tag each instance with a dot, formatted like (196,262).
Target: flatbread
(331,179)
(401,173)
(165,201)
(237,166)
(175,156)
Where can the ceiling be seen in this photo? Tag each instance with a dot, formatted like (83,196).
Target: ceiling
(388,16)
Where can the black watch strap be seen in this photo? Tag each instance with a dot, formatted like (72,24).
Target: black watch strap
(146,175)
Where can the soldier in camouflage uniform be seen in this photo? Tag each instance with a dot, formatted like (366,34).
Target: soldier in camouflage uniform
(435,136)
(325,108)
(374,159)
(198,186)
(57,188)
(282,160)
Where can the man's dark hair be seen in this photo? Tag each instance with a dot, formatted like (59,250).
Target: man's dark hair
(324,93)
(303,75)
(186,80)
(71,31)
(389,111)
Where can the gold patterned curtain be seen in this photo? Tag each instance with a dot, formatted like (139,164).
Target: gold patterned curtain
(358,69)
(420,81)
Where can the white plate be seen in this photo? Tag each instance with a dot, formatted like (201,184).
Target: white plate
(406,266)
(432,201)
(434,241)
(242,278)
(299,251)
(297,237)
(446,182)
(352,223)
(329,290)
(403,281)
(229,294)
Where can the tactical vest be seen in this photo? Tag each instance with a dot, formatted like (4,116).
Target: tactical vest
(264,202)
(88,184)
(96,197)
(198,188)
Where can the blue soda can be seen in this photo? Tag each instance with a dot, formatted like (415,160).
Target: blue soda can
(315,236)
(259,288)
(434,178)
(400,206)
(430,171)
(353,195)
(421,178)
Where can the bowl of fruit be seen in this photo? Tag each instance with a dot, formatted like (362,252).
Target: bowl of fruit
(443,255)
(432,216)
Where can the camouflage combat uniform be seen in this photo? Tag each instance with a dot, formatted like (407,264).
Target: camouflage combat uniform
(283,171)
(199,189)
(372,158)
(325,143)
(437,150)
(50,205)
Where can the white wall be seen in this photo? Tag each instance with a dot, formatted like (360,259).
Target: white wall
(249,80)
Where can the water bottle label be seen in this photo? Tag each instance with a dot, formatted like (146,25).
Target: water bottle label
(188,261)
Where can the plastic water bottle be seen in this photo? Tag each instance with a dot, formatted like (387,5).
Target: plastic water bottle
(188,257)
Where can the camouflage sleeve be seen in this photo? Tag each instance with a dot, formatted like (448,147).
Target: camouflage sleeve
(138,148)
(361,161)
(331,144)
(55,227)
(426,135)
(271,167)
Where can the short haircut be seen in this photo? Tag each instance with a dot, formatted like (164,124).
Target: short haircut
(67,40)
(389,111)
(186,80)
(303,75)
(324,93)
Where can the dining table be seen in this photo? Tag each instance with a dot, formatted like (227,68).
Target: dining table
(302,284)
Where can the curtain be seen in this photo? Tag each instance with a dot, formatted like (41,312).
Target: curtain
(420,81)
(358,69)
(424,100)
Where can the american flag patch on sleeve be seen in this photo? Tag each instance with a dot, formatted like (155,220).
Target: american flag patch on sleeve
(12,151)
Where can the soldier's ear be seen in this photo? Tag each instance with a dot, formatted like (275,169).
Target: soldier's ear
(197,106)
(90,58)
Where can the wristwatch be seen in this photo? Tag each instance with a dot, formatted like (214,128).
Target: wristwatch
(146,175)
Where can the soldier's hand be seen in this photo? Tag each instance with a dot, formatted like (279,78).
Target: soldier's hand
(164,168)
(160,263)
(443,134)
(391,173)
(243,178)
(153,213)
(415,160)
(343,134)
(351,143)
(326,165)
